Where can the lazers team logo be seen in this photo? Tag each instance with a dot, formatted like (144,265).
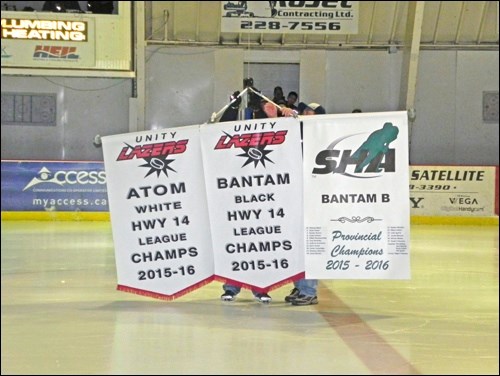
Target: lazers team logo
(374,155)
(252,144)
(156,155)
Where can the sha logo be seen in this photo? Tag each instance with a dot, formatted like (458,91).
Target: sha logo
(372,156)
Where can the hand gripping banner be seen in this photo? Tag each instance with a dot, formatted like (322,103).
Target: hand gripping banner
(158,211)
(356,196)
(253,173)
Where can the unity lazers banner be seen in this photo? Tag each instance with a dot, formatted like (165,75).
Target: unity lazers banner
(253,173)
(158,211)
(356,196)
(290,17)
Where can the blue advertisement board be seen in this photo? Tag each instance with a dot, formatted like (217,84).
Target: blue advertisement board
(42,186)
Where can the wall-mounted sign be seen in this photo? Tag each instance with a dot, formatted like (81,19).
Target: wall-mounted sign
(290,17)
(81,43)
(53,30)
(48,43)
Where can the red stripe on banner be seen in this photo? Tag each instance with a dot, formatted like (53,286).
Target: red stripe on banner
(274,286)
(157,295)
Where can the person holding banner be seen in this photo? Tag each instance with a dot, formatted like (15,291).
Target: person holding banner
(314,109)
(230,292)
(269,110)
(304,291)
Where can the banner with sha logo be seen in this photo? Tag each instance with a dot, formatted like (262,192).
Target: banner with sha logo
(158,211)
(253,173)
(357,216)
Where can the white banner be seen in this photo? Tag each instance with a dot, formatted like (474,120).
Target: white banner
(452,191)
(158,211)
(253,172)
(290,17)
(356,197)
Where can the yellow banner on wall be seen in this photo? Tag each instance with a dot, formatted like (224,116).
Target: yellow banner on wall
(71,41)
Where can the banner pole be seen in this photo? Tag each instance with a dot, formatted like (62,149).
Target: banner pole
(216,115)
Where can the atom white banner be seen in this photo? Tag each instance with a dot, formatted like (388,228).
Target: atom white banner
(158,210)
